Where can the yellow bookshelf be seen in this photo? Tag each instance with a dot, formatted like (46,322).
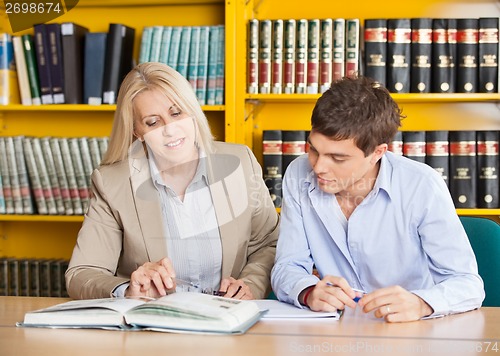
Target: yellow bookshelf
(55,236)
(243,117)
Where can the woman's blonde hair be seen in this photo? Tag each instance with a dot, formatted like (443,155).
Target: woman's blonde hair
(153,76)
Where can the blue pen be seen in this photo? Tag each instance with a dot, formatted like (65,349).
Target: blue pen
(356,299)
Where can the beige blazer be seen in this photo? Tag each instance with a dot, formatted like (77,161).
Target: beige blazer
(123,226)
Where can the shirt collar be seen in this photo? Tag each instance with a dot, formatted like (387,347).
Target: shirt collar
(381,183)
(201,170)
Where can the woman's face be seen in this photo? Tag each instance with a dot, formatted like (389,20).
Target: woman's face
(169,132)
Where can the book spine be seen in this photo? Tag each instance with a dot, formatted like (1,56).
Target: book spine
(147,34)
(352,47)
(253,57)
(338,49)
(301,57)
(185,44)
(273,163)
(55,279)
(294,145)
(277,57)
(265,32)
(52,173)
(375,35)
(488,167)
(467,55)
(463,177)
(35,278)
(14,175)
(44,176)
(55,62)
(2,197)
(93,71)
(13,277)
(103,145)
(398,55)
(95,154)
(165,44)
(4,170)
(88,167)
(81,177)
(396,145)
(212,65)
(201,84)
(289,33)
(29,54)
(73,41)
(45,278)
(443,55)
(4,277)
(313,43)
(194,53)
(414,145)
(175,42)
(24,277)
(61,176)
(220,72)
(9,90)
(488,55)
(437,153)
(71,176)
(36,185)
(421,55)
(325,58)
(22,171)
(155,45)
(22,71)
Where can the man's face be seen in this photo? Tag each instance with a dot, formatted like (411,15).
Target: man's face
(340,166)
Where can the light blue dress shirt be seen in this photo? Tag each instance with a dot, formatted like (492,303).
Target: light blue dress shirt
(405,232)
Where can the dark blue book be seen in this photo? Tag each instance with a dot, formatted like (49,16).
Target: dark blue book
(73,37)
(56,62)
(42,54)
(93,67)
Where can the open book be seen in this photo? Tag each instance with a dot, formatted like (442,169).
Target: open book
(178,312)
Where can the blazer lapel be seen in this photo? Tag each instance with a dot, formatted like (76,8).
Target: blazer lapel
(148,208)
(224,212)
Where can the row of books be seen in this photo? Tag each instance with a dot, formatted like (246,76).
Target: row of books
(196,52)
(47,175)
(32,277)
(64,63)
(418,55)
(468,161)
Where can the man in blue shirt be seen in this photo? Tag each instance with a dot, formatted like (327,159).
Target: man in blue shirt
(369,220)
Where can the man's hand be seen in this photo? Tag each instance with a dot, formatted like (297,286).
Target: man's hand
(395,304)
(330,294)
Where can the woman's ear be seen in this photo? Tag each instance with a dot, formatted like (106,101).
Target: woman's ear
(138,137)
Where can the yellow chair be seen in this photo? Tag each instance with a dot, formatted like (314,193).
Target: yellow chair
(484,236)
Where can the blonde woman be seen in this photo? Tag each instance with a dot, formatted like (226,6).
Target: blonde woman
(171,208)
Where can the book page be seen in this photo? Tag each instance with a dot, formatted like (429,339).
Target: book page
(279,310)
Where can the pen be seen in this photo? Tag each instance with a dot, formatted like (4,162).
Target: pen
(356,299)
(182,282)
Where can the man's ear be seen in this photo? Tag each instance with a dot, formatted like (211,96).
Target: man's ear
(380,150)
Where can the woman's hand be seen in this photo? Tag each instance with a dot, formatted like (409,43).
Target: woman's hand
(235,288)
(152,279)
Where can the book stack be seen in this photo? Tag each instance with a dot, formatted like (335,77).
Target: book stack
(299,55)
(47,175)
(468,161)
(31,277)
(64,63)
(196,52)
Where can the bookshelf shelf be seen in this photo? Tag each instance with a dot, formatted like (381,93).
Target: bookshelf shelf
(37,218)
(400,98)
(83,108)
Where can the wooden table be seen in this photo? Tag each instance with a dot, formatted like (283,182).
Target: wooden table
(473,333)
